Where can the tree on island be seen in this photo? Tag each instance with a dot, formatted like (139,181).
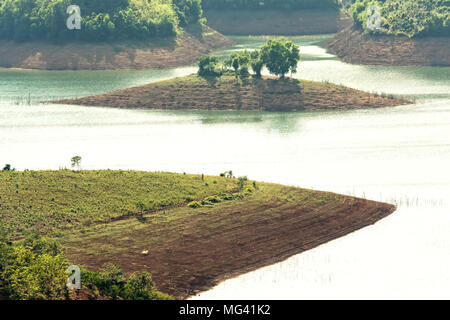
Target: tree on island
(280,56)
(207,67)
(256,63)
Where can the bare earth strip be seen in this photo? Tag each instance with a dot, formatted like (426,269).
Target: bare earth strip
(353,46)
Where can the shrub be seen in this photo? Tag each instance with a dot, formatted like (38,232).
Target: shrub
(248,190)
(211,199)
(26,273)
(194,204)
(207,67)
(241,182)
(8,168)
(407,17)
(111,282)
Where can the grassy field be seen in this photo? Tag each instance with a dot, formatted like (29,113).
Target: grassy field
(188,231)
(52,201)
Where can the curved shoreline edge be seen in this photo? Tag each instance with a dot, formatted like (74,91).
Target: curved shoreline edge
(353,46)
(183,50)
(193,250)
(232,229)
(228,93)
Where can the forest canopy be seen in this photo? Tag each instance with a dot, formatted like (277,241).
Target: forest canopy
(270,4)
(413,18)
(101,20)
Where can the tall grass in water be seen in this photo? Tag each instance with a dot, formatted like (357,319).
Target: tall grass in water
(401,201)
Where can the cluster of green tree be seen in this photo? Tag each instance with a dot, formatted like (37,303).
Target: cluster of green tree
(36,270)
(270,4)
(279,56)
(8,167)
(23,20)
(407,17)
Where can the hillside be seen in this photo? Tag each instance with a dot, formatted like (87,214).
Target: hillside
(272,17)
(406,33)
(226,93)
(183,50)
(188,231)
(354,46)
(273,22)
(99,35)
(411,18)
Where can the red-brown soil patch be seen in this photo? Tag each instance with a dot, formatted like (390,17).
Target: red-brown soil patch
(353,46)
(202,247)
(180,51)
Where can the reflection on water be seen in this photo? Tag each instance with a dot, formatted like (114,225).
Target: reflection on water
(398,155)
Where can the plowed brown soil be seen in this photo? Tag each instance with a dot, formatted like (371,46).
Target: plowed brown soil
(227,93)
(192,250)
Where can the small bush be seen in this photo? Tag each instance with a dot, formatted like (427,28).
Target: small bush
(241,182)
(112,283)
(228,197)
(208,67)
(211,199)
(194,204)
(248,190)
(32,272)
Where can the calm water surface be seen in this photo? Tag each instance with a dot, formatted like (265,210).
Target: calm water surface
(398,155)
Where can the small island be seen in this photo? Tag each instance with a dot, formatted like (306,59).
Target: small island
(230,86)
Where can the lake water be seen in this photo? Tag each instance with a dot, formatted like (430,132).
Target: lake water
(399,155)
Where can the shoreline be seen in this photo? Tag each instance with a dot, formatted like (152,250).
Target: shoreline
(255,232)
(351,45)
(249,94)
(296,251)
(182,50)
(203,231)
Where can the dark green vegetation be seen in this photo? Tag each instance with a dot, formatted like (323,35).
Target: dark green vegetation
(413,18)
(270,4)
(24,20)
(278,56)
(35,269)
